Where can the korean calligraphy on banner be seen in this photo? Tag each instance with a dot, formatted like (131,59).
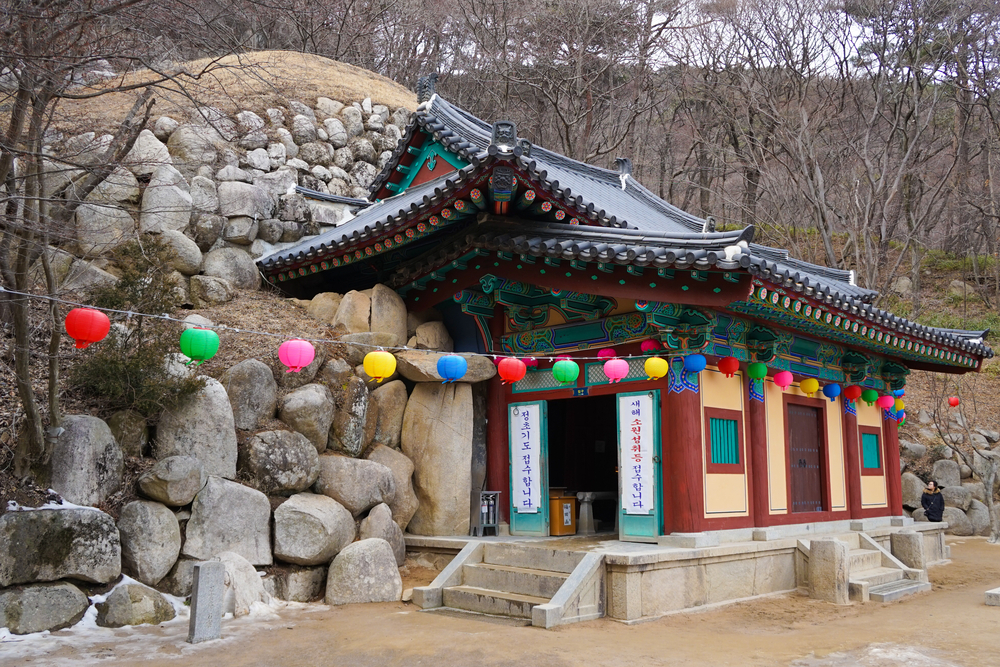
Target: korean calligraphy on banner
(525,445)
(635,426)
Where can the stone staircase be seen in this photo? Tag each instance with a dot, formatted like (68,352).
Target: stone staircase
(875,575)
(545,586)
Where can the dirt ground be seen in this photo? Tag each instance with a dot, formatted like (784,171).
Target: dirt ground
(949,626)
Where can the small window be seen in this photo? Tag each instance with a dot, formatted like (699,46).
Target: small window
(725,441)
(870,452)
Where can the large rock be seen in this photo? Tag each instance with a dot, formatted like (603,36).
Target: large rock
(956,496)
(180,580)
(130,431)
(205,229)
(311,529)
(278,183)
(437,437)
(324,305)
(208,291)
(28,609)
(243,584)
(388,312)
(979,517)
(185,255)
(363,174)
(45,545)
(390,398)
(236,199)
(192,146)
(303,129)
(404,503)
(354,312)
(379,524)
(86,464)
(977,489)
(309,410)
(353,121)
(202,426)
(357,484)
(958,523)
(174,481)
(335,373)
(913,490)
(101,228)
(132,604)
(226,516)
(150,538)
(434,336)
(316,152)
(348,434)
(147,155)
(252,391)
(280,462)
(296,583)
(421,366)
(946,473)
(204,196)
(234,265)
(364,572)
(166,202)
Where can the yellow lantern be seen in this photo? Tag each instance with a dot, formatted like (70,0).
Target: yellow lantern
(900,405)
(656,367)
(379,365)
(809,386)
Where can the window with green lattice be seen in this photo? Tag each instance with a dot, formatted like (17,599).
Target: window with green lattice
(723,441)
(871,458)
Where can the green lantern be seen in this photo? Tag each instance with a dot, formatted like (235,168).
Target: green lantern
(199,344)
(757,371)
(869,396)
(565,371)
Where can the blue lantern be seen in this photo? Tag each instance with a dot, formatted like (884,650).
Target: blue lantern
(898,393)
(831,391)
(695,363)
(452,367)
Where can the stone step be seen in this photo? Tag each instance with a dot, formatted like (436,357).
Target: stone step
(486,601)
(878,576)
(864,559)
(531,558)
(539,583)
(897,589)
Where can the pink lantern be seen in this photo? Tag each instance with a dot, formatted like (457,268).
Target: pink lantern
(530,362)
(616,369)
(606,353)
(649,346)
(783,379)
(885,402)
(296,354)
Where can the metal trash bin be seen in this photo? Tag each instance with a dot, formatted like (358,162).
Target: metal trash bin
(562,512)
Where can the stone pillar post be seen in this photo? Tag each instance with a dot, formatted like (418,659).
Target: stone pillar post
(828,570)
(908,547)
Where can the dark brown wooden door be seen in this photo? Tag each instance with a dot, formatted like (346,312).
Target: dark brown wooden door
(806,462)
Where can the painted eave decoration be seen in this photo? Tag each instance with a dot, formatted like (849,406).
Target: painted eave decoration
(502,204)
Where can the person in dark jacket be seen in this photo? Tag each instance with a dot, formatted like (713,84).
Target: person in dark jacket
(932,502)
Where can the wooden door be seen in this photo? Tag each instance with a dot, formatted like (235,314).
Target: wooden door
(806,463)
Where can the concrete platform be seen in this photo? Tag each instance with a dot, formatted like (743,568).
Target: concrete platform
(993,597)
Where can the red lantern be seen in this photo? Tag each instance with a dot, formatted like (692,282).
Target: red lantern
(511,369)
(86,326)
(953,401)
(852,393)
(783,379)
(606,353)
(729,366)
(530,362)
(649,346)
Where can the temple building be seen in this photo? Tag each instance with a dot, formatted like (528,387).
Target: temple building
(530,254)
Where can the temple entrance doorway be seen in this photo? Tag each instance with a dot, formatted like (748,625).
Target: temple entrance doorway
(805,447)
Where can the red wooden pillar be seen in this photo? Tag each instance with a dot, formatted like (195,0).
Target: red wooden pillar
(682,438)
(853,462)
(497,446)
(756,430)
(893,479)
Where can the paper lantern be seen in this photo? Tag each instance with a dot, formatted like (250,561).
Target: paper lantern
(649,346)
(902,418)
(898,405)
(379,365)
(606,353)
(511,369)
(656,367)
(199,345)
(86,326)
(831,391)
(953,401)
(869,396)
(530,362)
(729,366)
(809,386)
(565,371)
(296,354)
(616,369)
(757,370)
(899,392)
(852,393)
(783,379)
(695,363)
(451,367)
(885,402)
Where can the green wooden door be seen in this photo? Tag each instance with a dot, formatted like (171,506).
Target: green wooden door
(640,476)
(529,468)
